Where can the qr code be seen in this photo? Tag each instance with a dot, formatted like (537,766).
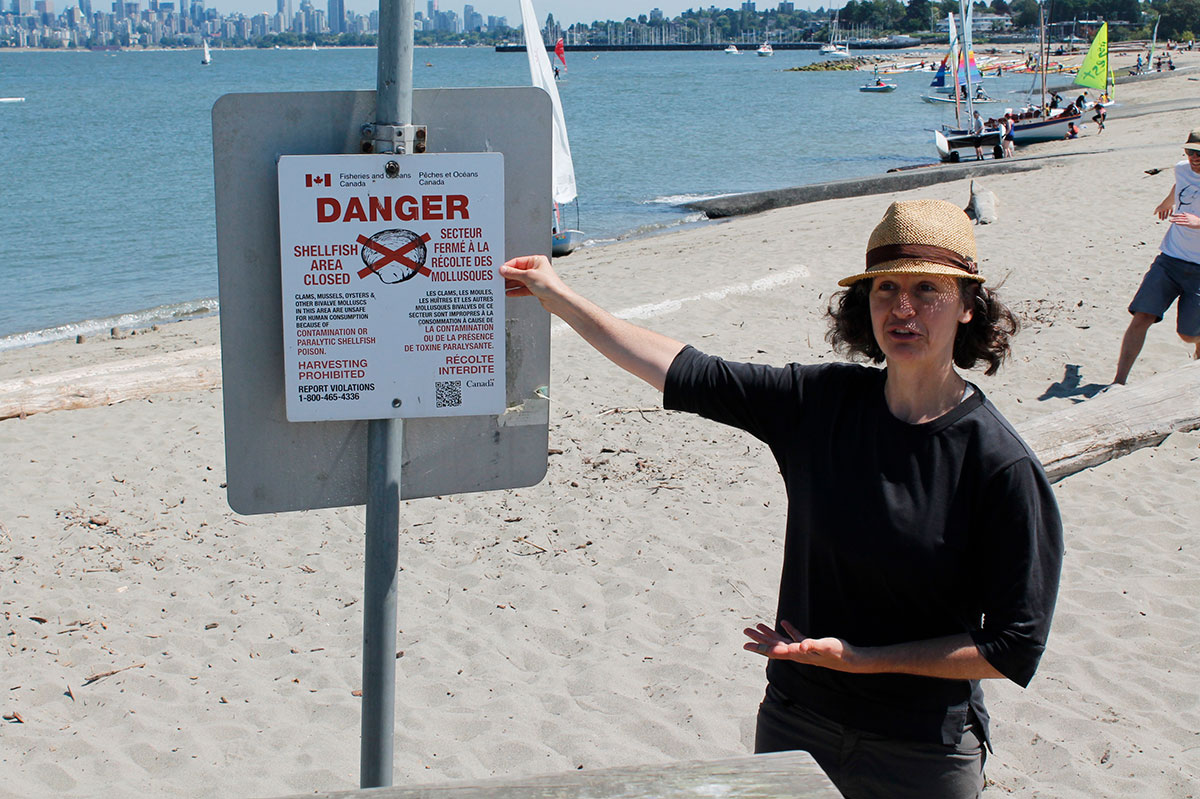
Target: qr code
(449,393)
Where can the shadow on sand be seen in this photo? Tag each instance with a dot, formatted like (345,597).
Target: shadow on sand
(1070,388)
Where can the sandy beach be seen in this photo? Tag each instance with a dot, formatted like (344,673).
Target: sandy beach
(156,643)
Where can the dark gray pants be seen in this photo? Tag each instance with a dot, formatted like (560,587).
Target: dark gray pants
(867,766)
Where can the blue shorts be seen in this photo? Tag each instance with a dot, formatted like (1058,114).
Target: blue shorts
(1169,279)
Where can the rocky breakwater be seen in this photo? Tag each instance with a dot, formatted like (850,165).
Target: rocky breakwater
(837,64)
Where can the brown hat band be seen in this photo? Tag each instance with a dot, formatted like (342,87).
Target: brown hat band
(920,252)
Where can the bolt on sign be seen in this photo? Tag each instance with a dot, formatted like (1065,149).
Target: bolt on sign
(393,304)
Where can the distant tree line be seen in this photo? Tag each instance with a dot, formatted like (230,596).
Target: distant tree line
(1177,19)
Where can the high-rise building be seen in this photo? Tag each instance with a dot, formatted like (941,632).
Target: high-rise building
(337,16)
(787,7)
(472,19)
(748,6)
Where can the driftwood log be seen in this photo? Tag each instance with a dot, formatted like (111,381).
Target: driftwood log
(782,774)
(1109,425)
(110,383)
(1116,422)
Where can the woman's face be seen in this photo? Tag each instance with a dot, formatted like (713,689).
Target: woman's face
(915,319)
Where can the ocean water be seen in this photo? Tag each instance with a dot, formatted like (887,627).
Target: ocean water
(106,186)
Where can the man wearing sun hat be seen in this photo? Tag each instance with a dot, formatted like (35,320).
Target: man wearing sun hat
(923,542)
(1175,273)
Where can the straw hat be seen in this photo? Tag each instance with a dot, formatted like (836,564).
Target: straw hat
(1193,142)
(924,237)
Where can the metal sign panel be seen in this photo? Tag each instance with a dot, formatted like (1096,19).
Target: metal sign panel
(392,303)
(273,465)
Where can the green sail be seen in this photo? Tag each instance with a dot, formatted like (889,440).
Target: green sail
(1094,70)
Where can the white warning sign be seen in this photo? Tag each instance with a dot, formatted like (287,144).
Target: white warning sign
(393,305)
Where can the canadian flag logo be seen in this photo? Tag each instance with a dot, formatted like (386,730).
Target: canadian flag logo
(317,180)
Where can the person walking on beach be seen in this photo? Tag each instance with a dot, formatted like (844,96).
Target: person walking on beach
(1007,138)
(977,132)
(1175,273)
(923,542)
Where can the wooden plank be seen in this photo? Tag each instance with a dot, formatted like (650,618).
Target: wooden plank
(1116,422)
(113,382)
(794,775)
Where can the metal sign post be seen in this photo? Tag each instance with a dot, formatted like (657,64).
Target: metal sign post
(277,465)
(385,440)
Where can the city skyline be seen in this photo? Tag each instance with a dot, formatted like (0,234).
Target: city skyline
(565,11)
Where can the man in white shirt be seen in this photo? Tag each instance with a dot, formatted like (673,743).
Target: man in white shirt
(1175,273)
(977,132)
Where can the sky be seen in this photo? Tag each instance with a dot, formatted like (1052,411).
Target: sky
(567,11)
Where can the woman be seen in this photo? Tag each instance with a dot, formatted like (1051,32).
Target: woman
(923,542)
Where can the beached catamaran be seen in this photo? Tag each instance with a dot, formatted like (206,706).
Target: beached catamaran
(948,142)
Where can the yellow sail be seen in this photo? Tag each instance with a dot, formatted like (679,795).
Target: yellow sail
(1094,70)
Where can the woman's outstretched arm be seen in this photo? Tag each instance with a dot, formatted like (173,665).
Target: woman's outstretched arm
(641,352)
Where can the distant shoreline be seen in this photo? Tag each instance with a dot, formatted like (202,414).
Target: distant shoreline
(226,49)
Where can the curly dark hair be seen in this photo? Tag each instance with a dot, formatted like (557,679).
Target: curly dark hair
(984,338)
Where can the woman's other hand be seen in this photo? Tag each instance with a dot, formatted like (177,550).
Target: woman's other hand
(829,653)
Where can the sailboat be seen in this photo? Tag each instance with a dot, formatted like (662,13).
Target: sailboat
(956,67)
(206,59)
(561,166)
(1094,72)
(1036,126)
(1153,44)
(560,52)
(833,48)
(948,142)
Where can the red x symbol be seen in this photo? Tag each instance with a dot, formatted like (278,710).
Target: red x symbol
(393,255)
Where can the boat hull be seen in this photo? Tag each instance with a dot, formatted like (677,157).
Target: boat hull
(564,242)
(938,100)
(950,142)
(884,89)
(1041,130)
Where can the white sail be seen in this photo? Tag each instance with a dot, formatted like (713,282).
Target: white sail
(543,77)
(968,49)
